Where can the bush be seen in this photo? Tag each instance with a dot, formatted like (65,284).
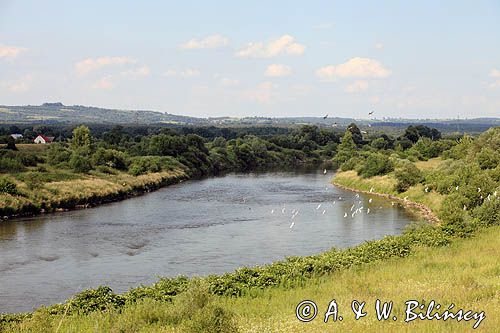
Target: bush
(80,162)
(489,212)
(488,158)
(111,158)
(408,175)
(375,164)
(10,165)
(7,186)
(144,164)
(57,154)
(99,299)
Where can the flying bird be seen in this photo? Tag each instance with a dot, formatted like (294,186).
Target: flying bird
(345,214)
(326,116)
(371,112)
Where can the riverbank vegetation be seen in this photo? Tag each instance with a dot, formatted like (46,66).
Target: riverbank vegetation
(86,170)
(458,180)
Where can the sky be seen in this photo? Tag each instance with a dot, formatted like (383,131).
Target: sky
(409,59)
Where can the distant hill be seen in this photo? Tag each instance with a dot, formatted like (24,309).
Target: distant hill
(58,113)
(52,113)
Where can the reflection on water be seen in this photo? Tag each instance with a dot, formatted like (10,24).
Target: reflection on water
(197,227)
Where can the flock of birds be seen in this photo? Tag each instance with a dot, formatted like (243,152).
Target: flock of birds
(355,209)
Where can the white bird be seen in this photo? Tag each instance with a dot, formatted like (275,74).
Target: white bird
(324,211)
(318,206)
(368,211)
(334,202)
(369,125)
(352,207)
(283,210)
(357,195)
(324,172)
(340,198)
(360,208)
(352,215)
(392,203)
(495,193)
(489,199)
(426,190)
(371,190)
(478,189)
(456,188)
(405,198)
(345,214)
(291,225)
(272,211)
(481,197)
(465,207)
(370,200)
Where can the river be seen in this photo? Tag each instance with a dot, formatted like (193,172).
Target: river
(197,227)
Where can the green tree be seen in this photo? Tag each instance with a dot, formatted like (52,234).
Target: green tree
(346,150)
(81,138)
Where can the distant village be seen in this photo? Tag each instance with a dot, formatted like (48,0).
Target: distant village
(40,139)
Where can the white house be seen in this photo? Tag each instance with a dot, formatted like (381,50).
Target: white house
(16,136)
(43,139)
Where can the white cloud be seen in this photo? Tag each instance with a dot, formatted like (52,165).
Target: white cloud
(228,82)
(379,46)
(186,73)
(276,70)
(104,83)
(355,67)
(11,52)
(495,73)
(263,93)
(20,85)
(137,72)
(357,86)
(210,42)
(284,45)
(91,64)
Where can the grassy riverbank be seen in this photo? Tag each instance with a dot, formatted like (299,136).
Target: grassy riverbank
(45,188)
(465,273)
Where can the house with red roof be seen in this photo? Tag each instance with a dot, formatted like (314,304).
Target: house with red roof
(43,139)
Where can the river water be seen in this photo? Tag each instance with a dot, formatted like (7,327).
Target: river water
(197,227)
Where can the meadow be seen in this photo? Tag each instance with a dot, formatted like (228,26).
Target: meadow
(451,256)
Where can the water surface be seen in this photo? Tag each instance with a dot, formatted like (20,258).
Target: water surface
(197,227)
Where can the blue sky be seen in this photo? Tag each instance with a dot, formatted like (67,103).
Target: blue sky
(425,59)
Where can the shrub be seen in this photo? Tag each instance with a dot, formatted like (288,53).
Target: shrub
(375,164)
(489,212)
(98,299)
(488,158)
(80,162)
(57,154)
(111,158)
(407,176)
(10,165)
(145,164)
(7,186)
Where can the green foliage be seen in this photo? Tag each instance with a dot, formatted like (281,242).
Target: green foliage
(9,165)
(346,150)
(488,158)
(145,164)
(57,154)
(99,299)
(81,138)
(80,161)
(407,175)
(376,164)
(489,212)
(111,158)
(7,186)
